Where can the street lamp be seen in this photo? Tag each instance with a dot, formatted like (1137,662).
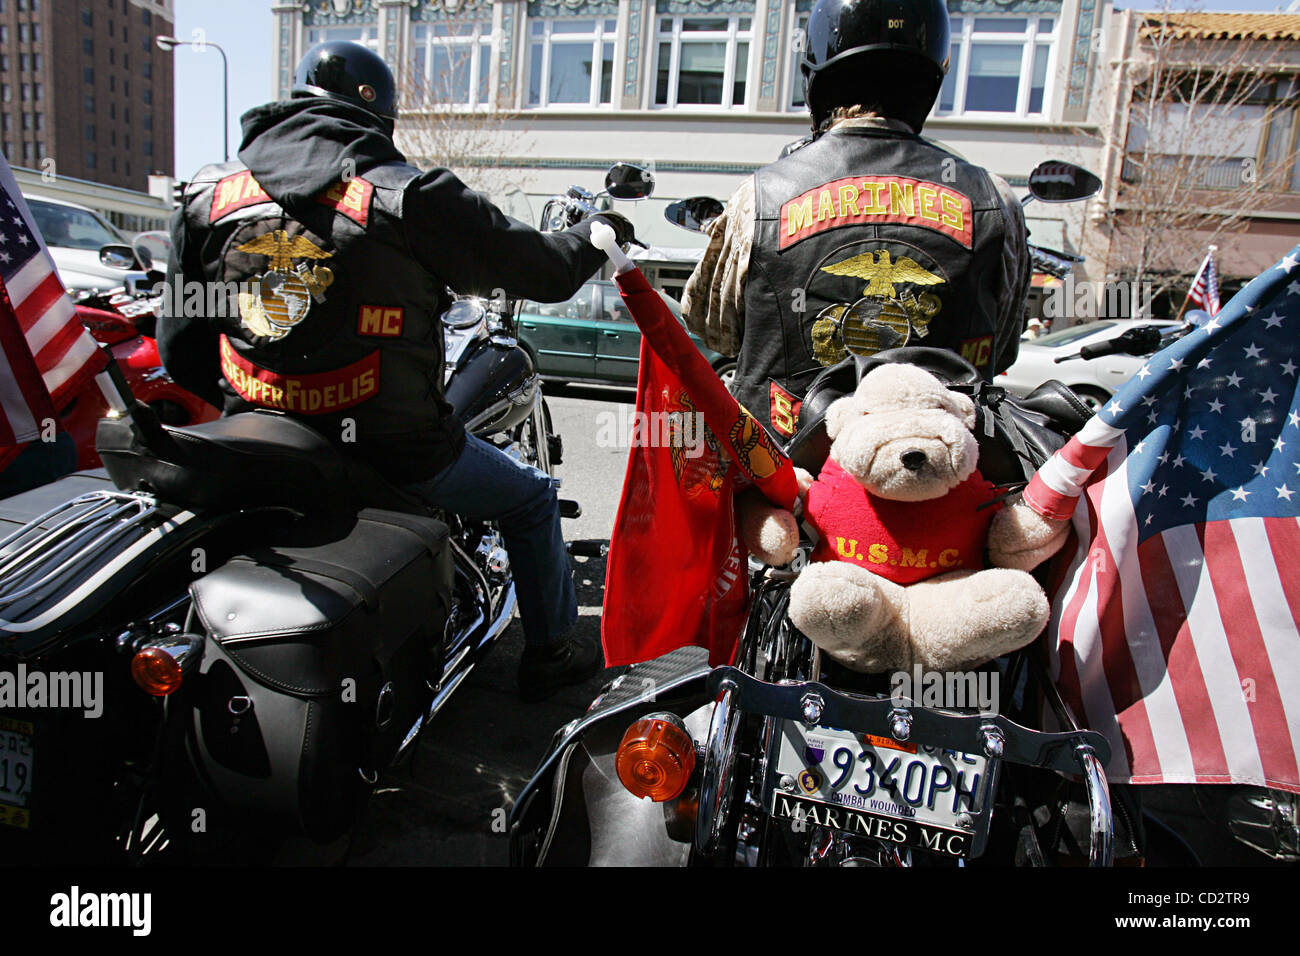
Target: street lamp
(167,44)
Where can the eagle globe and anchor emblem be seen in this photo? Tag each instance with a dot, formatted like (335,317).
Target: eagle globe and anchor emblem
(283,294)
(882,318)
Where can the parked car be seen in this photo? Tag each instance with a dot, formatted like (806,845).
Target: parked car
(1094,379)
(75,236)
(592,338)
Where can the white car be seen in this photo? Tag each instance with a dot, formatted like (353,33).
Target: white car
(1096,380)
(75,235)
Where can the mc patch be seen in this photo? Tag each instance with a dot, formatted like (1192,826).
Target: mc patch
(381,320)
(977,351)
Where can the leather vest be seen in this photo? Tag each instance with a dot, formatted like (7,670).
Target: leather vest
(330,320)
(866,239)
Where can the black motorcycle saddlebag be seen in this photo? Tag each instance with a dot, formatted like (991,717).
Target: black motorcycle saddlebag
(317,664)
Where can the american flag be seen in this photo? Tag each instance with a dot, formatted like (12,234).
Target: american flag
(39,327)
(1174,632)
(1205,287)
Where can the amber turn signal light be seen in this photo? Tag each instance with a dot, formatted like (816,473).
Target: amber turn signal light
(156,671)
(656,757)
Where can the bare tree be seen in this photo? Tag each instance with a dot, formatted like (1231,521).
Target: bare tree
(449,114)
(1209,143)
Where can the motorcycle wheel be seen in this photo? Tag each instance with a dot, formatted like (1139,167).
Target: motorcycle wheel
(535,438)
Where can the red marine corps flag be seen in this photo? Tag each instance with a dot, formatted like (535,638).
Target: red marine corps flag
(676,573)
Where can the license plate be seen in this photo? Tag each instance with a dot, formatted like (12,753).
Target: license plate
(15,772)
(902,793)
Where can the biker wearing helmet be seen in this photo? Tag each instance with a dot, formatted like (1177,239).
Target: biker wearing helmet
(343,253)
(865,236)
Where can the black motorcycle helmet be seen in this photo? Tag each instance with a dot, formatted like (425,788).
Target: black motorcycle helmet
(888,55)
(350,73)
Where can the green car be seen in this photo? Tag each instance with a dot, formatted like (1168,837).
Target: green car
(592,338)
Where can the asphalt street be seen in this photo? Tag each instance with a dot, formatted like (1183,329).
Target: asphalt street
(449,806)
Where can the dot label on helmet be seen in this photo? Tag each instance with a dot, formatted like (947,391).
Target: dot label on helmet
(896,24)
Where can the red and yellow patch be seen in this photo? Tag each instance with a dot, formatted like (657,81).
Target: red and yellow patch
(977,351)
(235,192)
(381,320)
(858,200)
(318,393)
(783,410)
(352,198)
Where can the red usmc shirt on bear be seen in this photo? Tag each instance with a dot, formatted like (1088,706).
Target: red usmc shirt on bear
(904,541)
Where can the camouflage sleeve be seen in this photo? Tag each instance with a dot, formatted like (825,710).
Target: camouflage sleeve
(714,301)
(1013,291)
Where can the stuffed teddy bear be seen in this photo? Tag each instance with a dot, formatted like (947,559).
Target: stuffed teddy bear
(904,518)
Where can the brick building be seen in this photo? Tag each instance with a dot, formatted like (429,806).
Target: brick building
(82,84)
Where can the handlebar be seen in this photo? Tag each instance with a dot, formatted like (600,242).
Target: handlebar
(1141,340)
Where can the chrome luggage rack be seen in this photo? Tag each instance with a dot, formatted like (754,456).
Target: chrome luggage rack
(51,550)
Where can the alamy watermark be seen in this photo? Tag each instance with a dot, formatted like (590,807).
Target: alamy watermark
(1085,299)
(976,690)
(62,690)
(217,300)
(627,428)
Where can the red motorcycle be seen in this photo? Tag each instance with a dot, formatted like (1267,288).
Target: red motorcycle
(125,324)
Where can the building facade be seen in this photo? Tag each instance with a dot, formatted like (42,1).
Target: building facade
(705,91)
(83,90)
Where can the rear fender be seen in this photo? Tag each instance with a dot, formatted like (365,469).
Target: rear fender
(575,812)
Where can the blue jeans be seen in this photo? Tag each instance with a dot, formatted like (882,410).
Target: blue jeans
(485,483)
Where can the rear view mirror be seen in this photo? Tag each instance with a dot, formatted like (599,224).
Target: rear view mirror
(626,181)
(695,213)
(117,256)
(1054,181)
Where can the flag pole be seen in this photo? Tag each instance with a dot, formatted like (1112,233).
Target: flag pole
(1188,298)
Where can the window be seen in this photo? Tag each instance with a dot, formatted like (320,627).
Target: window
(40,122)
(90,104)
(800,34)
(148,71)
(148,147)
(87,18)
(702,61)
(36,31)
(4,62)
(22,32)
(88,74)
(28,151)
(5,122)
(36,92)
(112,137)
(146,17)
(87,46)
(27,92)
(148,97)
(112,111)
(112,57)
(148,122)
(36,62)
(90,132)
(90,160)
(5,93)
(366,34)
(563,54)
(450,62)
(998,64)
(4,30)
(27,120)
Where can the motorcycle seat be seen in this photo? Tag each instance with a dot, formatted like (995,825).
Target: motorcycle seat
(253,459)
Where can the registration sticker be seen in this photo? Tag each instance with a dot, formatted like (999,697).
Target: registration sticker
(15,772)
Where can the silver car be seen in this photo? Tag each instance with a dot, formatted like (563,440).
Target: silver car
(1096,380)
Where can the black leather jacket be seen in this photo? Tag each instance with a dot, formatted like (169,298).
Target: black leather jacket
(324,265)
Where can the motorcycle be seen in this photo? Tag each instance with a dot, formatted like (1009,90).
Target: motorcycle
(784,757)
(224,638)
